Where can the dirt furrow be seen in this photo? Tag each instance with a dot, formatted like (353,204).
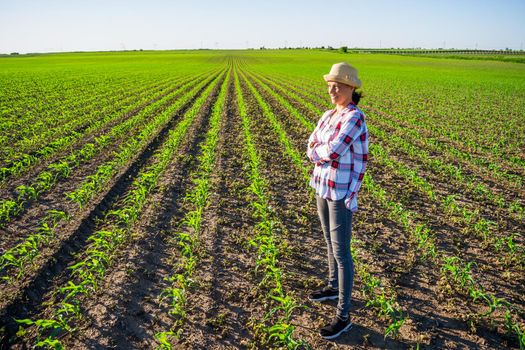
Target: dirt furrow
(224,300)
(398,266)
(25,299)
(305,259)
(55,198)
(127,312)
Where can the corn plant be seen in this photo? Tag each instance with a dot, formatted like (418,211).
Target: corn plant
(105,172)
(187,242)
(281,331)
(398,319)
(116,103)
(91,269)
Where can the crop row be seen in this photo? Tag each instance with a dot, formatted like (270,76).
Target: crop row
(472,184)
(453,173)
(266,239)
(53,91)
(105,243)
(378,297)
(424,236)
(44,139)
(64,167)
(474,224)
(17,258)
(433,141)
(51,141)
(476,139)
(23,105)
(186,239)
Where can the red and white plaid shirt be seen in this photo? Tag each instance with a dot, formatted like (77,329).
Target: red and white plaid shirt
(340,155)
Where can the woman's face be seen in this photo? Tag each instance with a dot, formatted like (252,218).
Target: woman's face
(340,94)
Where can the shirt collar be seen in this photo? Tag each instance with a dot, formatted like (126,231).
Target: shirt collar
(350,107)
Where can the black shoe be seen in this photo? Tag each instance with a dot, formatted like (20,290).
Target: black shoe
(326,293)
(336,328)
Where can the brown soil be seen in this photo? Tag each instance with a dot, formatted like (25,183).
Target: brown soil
(24,298)
(224,300)
(127,311)
(227,301)
(418,283)
(15,231)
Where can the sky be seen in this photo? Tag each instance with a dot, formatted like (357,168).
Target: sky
(100,25)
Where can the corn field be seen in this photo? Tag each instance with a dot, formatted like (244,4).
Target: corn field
(160,200)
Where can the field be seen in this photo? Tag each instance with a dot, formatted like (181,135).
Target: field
(160,200)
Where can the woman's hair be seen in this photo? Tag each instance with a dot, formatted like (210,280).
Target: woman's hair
(356,96)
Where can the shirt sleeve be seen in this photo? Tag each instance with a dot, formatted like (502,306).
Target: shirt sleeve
(314,158)
(351,129)
(358,171)
(312,138)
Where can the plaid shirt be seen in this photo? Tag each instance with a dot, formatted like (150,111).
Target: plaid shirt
(340,155)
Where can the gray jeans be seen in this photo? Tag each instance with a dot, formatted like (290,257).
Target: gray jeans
(336,222)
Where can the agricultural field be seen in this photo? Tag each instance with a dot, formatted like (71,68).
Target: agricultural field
(159,200)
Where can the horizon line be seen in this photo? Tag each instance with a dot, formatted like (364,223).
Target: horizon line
(262,48)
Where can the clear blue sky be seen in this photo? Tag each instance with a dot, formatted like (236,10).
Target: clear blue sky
(87,25)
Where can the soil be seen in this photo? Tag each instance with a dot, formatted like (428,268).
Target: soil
(24,298)
(423,288)
(128,312)
(34,211)
(226,302)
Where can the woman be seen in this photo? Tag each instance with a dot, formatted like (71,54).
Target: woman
(339,149)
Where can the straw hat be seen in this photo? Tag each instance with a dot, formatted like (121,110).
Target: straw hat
(343,73)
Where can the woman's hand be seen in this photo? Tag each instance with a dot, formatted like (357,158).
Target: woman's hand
(311,145)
